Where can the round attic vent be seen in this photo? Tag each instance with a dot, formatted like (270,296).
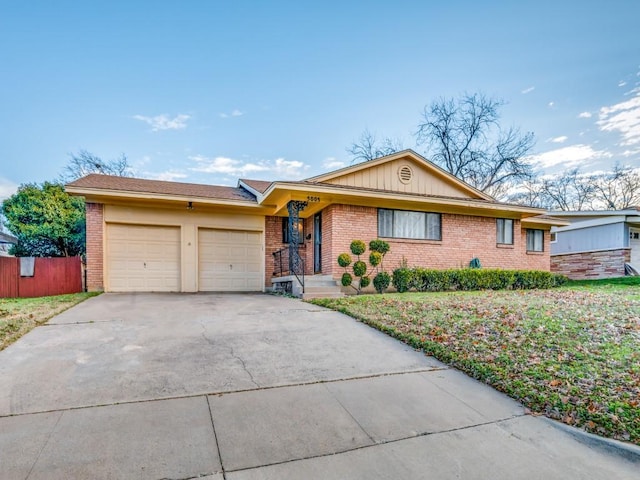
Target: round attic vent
(405,174)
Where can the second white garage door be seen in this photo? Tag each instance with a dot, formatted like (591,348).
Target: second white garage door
(143,258)
(229,261)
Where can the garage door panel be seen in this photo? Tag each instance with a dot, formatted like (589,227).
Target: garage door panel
(143,258)
(229,260)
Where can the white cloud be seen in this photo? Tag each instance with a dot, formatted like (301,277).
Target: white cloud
(7,188)
(560,139)
(331,163)
(585,115)
(622,83)
(289,169)
(551,104)
(528,90)
(163,122)
(624,118)
(568,157)
(234,113)
(274,169)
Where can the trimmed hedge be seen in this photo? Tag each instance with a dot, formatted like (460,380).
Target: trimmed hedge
(429,280)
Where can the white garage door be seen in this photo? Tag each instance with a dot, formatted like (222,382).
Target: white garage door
(142,258)
(229,261)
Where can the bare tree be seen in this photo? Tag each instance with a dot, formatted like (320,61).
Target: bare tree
(83,163)
(573,190)
(618,189)
(368,147)
(464,137)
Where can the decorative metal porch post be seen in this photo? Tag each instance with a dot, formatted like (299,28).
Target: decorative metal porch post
(295,262)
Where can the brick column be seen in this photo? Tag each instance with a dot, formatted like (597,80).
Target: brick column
(95,246)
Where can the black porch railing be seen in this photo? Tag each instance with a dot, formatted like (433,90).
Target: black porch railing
(288,261)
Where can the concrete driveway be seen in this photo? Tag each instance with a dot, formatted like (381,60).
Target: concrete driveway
(245,387)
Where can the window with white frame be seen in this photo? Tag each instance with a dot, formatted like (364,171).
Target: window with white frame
(504,231)
(407,224)
(535,240)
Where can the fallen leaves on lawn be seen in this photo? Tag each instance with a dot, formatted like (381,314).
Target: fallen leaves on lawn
(571,354)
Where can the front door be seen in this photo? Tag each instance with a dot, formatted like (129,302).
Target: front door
(317,243)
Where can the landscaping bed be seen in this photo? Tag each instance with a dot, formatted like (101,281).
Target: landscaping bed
(20,315)
(571,353)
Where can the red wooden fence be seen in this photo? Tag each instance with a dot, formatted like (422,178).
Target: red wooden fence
(51,276)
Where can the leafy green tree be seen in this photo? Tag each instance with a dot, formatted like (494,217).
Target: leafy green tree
(47,221)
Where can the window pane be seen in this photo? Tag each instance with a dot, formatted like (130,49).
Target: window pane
(408,224)
(385,223)
(508,231)
(538,239)
(433,226)
(535,240)
(504,230)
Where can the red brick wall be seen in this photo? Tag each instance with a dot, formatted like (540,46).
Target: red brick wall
(592,265)
(95,239)
(463,238)
(273,243)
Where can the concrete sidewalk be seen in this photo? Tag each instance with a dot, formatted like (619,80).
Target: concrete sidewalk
(247,387)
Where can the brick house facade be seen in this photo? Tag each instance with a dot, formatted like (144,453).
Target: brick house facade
(146,235)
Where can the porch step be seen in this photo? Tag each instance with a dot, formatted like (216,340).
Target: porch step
(322,292)
(315,286)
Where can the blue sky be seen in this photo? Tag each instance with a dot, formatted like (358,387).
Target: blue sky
(209,91)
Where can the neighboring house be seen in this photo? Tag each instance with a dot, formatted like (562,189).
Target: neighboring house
(597,244)
(146,235)
(6,241)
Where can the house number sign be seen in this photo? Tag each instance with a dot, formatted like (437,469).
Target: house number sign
(312,199)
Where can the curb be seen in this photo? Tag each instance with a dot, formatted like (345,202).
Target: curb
(627,451)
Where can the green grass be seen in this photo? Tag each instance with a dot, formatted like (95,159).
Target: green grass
(571,353)
(20,315)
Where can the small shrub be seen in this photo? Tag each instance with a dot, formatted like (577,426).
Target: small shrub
(402,279)
(379,246)
(358,247)
(363,278)
(381,281)
(359,268)
(375,258)
(344,260)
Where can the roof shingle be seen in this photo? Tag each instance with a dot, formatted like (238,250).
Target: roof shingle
(139,185)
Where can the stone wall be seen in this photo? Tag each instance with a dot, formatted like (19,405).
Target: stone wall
(591,265)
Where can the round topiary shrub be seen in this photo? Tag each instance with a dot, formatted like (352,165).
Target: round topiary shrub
(359,268)
(344,259)
(379,246)
(365,282)
(346,279)
(375,258)
(358,247)
(381,281)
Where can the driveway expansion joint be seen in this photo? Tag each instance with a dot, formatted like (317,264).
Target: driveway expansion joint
(226,392)
(376,444)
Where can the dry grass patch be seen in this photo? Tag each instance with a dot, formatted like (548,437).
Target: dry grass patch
(20,315)
(572,354)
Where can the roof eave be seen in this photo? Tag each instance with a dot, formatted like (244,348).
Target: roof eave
(149,196)
(303,190)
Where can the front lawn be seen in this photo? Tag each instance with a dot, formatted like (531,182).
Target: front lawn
(20,315)
(571,353)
